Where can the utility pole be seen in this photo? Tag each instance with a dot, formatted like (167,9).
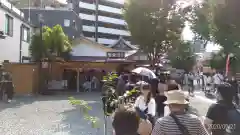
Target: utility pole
(96,20)
(40,76)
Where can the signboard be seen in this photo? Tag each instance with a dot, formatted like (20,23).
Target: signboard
(115,55)
(44,64)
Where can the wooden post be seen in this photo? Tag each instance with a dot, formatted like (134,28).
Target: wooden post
(78,80)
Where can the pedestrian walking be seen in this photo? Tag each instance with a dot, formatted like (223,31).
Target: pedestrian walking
(235,86)
(190,84)
(161,98)
(179,122)
(209,84)
(218,79)
(222,113)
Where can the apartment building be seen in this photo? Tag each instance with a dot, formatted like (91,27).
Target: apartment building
(68,19)
(102,20)
(15,33)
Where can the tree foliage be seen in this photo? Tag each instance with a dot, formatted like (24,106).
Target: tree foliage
(155,25)
(85,108)
(53,41)
(216,21)
(183,57)
(226,25)
(199,22)
(218,61)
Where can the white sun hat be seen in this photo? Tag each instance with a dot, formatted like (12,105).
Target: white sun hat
(175,97)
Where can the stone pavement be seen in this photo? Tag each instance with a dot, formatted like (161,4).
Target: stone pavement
(53,115)
(49,115)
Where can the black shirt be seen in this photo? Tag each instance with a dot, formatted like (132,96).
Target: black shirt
(218,112)
(234,84)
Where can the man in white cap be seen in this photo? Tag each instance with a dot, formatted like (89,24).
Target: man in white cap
(179,121)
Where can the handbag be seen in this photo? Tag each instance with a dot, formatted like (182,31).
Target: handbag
(181,127)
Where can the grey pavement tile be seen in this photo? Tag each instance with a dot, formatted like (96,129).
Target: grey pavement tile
(50,115)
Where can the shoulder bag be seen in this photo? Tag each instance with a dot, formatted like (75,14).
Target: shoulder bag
(181,127)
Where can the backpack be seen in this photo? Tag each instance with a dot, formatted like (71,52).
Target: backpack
(233,128)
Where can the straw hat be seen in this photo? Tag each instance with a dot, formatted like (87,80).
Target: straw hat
(175,97)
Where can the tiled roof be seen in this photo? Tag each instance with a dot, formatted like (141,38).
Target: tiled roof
(121,40)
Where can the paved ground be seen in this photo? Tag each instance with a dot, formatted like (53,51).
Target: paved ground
(49,115)
(53,115)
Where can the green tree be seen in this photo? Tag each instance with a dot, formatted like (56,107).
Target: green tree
(52,45)
(183,57)
(54,41)
(200,22)
(218,61)
(155,25)
(216,21)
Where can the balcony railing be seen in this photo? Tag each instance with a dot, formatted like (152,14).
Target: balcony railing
(87,5)
(105,40)
(110,9)
(12,7)
(116,1)
(111,20)
(87,17)
(113,31)
(88,28)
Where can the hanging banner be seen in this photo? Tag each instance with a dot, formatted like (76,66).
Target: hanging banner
(227,64)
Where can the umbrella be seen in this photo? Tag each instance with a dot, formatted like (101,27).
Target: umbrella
(144,72)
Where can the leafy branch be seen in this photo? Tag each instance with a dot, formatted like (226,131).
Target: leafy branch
(110,95)
(85,108)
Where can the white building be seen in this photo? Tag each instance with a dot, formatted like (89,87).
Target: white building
(110,23)
(14,42)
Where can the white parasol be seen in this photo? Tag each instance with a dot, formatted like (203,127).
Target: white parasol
(144,72)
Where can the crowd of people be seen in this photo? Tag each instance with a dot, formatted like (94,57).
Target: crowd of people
(209,82)
(162,109)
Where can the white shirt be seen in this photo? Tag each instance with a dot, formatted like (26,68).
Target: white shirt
(218,78)
(141,104)
(166,111)
(209,79)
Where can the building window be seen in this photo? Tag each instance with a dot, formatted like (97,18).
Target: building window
(66,22)
(26,34)
(9,25)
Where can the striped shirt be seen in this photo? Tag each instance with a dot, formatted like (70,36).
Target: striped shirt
(167,126)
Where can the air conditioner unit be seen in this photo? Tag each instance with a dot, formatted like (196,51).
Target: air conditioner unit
(2,35)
